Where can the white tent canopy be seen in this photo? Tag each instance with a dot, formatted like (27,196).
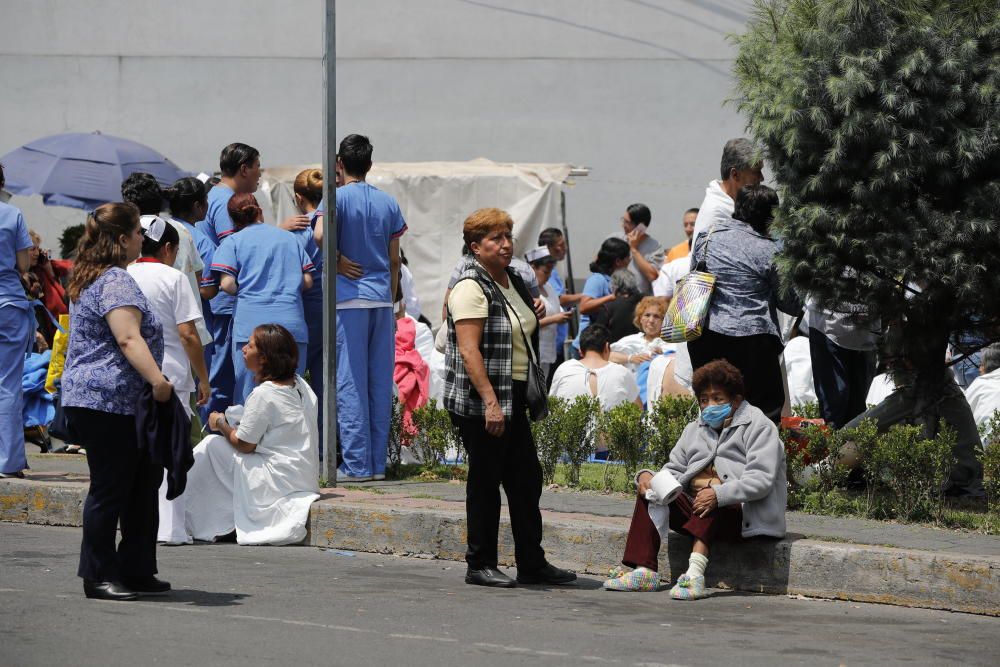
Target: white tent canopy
(436,197)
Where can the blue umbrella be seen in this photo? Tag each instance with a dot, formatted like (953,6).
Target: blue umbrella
(82,170)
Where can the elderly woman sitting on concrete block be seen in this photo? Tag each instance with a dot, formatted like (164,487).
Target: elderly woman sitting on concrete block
(724,482)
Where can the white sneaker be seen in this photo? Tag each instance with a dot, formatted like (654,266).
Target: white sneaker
(379,476)
(347,479)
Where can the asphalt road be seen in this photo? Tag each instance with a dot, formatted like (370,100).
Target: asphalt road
(247,606)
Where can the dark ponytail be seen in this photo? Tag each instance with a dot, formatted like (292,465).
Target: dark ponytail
(184,194)
(611,251)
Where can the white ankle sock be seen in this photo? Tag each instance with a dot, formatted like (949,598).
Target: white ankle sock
(696,565)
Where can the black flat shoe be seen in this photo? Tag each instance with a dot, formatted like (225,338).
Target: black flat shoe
(108,590)
(549,574)
(488,576)
(147,585)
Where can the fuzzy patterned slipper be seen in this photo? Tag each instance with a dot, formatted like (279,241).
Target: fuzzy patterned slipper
(639,579)
(618,571)
(689,588)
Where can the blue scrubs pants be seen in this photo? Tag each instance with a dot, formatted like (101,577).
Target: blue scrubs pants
(245,379)
(314,357)
(220,374)
(366,355)
(17,323)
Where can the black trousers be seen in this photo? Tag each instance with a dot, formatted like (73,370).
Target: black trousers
(841,377)
(510,460)
(123,488)
(756,356)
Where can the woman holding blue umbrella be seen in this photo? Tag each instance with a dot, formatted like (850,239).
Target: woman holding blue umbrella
(16,315)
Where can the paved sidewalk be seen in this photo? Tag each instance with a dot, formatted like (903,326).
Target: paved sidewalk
(821,556)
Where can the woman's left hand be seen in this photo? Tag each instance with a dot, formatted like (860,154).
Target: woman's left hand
(705,502)
(213,420)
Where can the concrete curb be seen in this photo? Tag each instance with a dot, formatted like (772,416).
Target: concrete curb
(794,565)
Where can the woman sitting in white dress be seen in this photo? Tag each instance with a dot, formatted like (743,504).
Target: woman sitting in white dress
(633,350)
(261,475)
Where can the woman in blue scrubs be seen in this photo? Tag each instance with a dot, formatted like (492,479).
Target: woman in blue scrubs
(308,189)
(267,270)
(16,317)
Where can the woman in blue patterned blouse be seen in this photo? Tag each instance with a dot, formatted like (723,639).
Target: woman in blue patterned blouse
(115,347)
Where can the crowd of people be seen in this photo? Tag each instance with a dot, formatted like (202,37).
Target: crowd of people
(185,306)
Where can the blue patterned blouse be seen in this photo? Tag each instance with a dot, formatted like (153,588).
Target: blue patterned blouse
(97,375)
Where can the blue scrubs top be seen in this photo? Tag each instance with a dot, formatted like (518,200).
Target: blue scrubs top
(367,221)
(13,238)
(597,285)
(268,264)
(314,296)
(217,225)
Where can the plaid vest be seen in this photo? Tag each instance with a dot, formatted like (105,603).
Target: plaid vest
(496,346)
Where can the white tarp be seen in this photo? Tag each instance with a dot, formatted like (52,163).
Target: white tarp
(436,197)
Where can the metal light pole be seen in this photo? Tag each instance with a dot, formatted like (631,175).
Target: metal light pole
(329,406)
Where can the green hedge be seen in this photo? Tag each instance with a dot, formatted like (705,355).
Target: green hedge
(902,476)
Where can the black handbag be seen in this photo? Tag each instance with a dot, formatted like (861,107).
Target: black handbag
(536,395)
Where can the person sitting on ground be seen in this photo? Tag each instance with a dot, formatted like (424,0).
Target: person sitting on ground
(260,476)
(906,405)
(984,392)
(634,349)
(593,374)
(669,375)
(730,465)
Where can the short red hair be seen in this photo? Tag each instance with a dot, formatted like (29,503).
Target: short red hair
(244,210)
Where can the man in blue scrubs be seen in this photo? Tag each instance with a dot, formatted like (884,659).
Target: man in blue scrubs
(16,325)
(240,167)
(369,224)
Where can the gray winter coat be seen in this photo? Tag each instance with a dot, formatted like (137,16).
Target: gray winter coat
(749,459)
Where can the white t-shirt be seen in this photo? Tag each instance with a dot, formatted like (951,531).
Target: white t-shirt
(410,298)
(880,389)
(670,273)
(798,367)
(171,301)
(716,207)
(984,398)
(615,383)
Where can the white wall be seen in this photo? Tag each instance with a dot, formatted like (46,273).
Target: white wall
(633,89)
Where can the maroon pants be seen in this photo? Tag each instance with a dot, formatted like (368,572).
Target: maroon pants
(723,524)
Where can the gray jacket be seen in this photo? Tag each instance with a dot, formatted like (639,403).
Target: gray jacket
(749,459)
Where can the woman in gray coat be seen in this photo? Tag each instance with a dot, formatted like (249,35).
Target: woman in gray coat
(730,465)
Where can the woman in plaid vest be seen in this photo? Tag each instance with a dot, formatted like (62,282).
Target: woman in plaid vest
(492,339)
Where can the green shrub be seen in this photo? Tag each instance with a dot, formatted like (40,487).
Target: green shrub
(550,435)
(395,448)
(990,458)
(990,431)
(913,469)
(625,431)
(808,410)
(435,433)
(579,433)
(668,417)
